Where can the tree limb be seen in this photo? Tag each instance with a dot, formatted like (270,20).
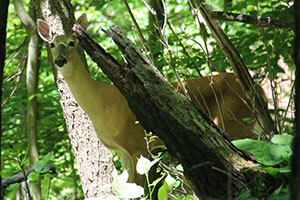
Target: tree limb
(20,177)
(248,19)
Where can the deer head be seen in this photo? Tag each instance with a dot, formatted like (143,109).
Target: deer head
(64,48)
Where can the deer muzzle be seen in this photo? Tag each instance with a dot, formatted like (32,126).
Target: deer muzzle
(60,61)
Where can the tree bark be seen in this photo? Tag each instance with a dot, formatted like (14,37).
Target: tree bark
(295,175)
(94,160)
(3,22)
(22,176)
(32,84)
(210,161)
(248,19)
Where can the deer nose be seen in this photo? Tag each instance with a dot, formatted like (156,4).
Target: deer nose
(60,61)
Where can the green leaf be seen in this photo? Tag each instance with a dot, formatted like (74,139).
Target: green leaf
(248,120)
(280,193)
(278,190)
(33,176)
(167,187)
(12,187)
(283,139)
(38,166)
(32,97)
(259,150)
(286,169)
(46,158)
(246,195)
(45,170)
(180,168)
(270,170)
(164,191)
(266,153)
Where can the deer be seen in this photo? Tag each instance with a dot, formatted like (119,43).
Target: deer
(115,124)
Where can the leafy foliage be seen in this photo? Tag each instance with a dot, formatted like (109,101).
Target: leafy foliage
(269,154)
(274,157)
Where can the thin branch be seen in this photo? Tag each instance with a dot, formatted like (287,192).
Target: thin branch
(17,72)
(136,26)
(20,177)
(270,70)
(291,98)
(27,190)
(17,79)
(238,65)
(184,48)
(256,20)
(164,40)
(204,35)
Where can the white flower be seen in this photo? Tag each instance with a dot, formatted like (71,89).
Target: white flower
(124,189)
(143,165)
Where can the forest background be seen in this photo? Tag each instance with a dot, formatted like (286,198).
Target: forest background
(267,51)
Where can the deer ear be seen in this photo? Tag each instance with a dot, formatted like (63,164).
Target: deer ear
(82,20)
(45,30)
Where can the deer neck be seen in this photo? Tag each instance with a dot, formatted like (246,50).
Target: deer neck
(89,94)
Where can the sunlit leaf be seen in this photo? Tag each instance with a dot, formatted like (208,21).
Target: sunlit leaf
(33,176)
(46,158)
(164,191)
(38,166)
(282,139)
(266,153)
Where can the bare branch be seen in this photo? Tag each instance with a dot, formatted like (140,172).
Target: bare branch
(17,78)
(256,20)
(143,41)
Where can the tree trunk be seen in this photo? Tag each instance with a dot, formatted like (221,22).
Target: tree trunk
(210,161)
(94,160)
(32,84)
(295,175)
(3,22)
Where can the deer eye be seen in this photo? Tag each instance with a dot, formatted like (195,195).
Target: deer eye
(52,45)
(71,44)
